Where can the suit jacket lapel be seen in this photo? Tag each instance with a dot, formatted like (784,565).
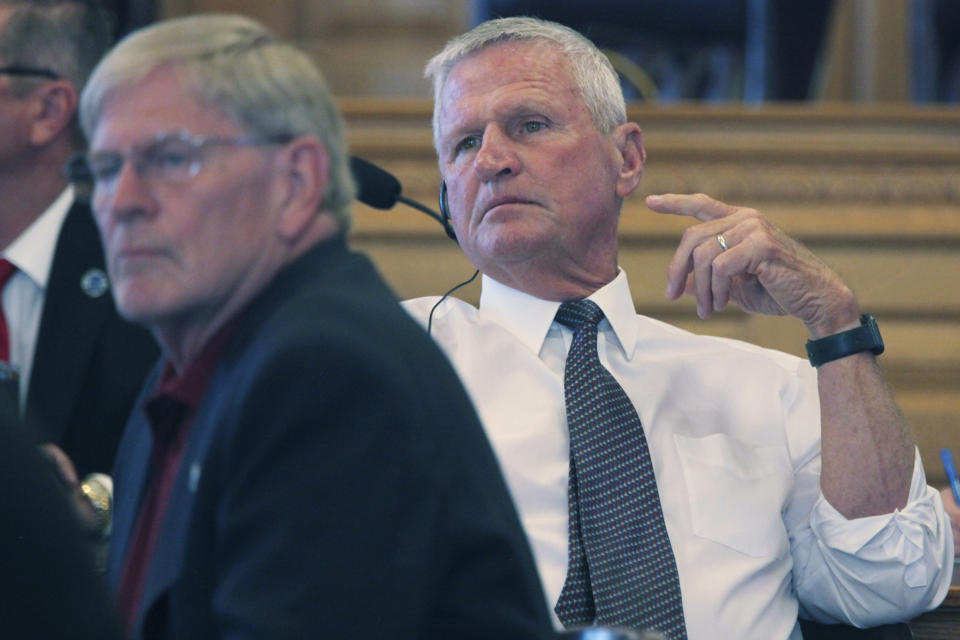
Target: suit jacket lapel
(170,553)
(130,478)
(69,324)
(212,423)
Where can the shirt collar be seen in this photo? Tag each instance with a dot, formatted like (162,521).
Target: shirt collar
(529,318)
(189,386)
(32,251)
(174,401)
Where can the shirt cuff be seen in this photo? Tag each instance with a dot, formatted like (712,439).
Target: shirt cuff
(901,537)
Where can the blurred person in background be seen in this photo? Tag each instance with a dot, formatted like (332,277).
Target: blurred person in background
(71,367)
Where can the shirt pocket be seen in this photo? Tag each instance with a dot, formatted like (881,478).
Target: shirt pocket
(737,493)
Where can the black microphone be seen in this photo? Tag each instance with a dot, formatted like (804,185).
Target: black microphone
(375,187)
(378,188)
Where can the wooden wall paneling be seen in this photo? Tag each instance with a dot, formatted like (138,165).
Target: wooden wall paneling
(874,192)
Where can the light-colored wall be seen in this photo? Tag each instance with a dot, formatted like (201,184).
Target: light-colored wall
(365,47)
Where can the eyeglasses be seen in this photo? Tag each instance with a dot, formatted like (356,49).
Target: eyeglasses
(170,159)
(17,70)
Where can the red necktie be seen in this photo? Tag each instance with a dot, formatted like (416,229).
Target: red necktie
(6,270)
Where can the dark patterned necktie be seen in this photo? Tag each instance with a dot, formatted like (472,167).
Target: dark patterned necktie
(620,570)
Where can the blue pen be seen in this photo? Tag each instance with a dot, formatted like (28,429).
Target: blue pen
(951,473)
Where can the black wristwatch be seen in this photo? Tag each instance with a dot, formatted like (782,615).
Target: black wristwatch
(866,337)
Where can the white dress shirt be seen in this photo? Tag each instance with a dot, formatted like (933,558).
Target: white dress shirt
(32,253)
(734,436)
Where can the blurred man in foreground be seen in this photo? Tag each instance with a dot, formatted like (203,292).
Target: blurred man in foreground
(703,487)
(303,463)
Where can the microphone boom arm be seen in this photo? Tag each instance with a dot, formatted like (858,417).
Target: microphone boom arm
(419,207)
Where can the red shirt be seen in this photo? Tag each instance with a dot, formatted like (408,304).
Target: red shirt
(170,411)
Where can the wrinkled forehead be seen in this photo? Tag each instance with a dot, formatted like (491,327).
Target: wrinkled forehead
(505,73)
(157,104)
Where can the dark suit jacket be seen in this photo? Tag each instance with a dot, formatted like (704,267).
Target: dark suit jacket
(88,364)
(335,483)
(48,588)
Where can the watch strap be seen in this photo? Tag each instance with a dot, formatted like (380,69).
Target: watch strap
(866,337)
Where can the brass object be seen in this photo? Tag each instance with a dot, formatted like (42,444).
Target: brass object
(100,500)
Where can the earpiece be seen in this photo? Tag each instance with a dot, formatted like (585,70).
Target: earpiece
(445,213)
(448,227)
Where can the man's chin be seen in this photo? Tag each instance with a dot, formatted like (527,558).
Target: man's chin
(136,314)
(507,248)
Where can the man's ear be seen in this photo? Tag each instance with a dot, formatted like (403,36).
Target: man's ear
(304,176)
(53,106)
(629,141)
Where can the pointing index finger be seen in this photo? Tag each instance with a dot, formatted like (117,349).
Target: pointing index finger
(698,205)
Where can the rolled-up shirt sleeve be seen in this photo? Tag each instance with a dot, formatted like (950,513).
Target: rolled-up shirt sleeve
(878,569)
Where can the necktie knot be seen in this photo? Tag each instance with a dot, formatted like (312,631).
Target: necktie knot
(579,313)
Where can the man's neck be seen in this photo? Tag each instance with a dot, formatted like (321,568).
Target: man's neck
(27,192)
(182,338)
(551,284)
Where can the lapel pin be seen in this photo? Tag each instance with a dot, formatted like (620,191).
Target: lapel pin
(94,283)
(194,479)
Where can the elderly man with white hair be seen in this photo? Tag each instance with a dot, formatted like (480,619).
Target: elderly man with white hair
(703,487)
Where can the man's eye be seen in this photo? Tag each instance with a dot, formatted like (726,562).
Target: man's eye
(467,144)
(169,157)
(105,167)
(532,126)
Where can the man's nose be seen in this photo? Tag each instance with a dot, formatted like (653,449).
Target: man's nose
(497,155)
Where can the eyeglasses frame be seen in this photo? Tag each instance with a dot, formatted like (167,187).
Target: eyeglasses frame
(77,168)
(23,70)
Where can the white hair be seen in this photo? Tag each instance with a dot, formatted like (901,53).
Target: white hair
(592,72)
(236,64)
